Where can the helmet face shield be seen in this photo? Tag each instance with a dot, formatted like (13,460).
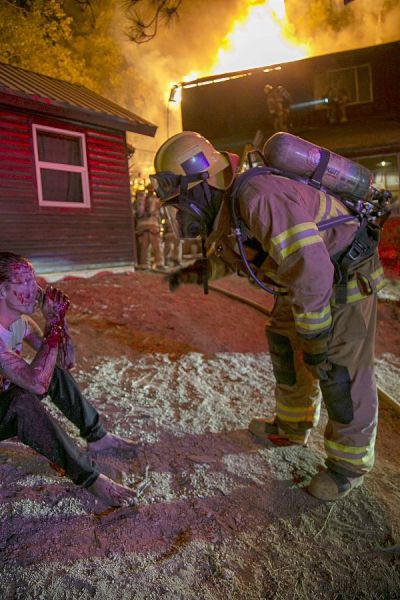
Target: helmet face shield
(195,164)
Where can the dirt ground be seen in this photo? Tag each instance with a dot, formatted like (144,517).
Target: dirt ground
(224,516)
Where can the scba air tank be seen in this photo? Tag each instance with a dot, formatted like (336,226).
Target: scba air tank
(314,164)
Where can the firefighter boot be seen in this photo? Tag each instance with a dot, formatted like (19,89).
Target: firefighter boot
(269,430)
(329,486)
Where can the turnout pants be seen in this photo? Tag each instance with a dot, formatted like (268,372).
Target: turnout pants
(145,240)
(349,393)
(172,248)
(22,414)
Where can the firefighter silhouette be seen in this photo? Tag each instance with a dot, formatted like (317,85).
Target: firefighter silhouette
(278,106)
(147,227)
(172,244)
(337,103)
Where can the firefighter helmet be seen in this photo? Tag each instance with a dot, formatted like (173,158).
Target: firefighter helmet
(189,153)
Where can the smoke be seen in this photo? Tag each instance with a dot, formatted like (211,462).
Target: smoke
(186,46)
(328,24)
(189,45)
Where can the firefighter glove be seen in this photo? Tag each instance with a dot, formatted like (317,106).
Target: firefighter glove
(193,273)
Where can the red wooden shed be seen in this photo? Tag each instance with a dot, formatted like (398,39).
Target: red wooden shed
(64,179)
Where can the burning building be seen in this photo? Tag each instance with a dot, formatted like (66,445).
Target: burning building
(231,109)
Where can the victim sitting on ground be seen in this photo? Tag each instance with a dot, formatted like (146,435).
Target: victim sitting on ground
(23,385)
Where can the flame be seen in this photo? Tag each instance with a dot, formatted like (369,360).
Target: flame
(261,36)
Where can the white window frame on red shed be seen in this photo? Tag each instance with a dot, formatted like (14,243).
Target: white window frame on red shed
(48,168)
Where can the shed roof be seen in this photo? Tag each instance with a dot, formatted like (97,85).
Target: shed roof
(43,94)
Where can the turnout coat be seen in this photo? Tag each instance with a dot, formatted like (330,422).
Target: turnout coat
(283,216)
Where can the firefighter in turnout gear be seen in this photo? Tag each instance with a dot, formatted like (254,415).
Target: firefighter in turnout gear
(147,228)
(172,243)
(321,332)
(278,106)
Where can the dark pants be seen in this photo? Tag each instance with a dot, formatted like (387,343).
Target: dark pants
(22,414)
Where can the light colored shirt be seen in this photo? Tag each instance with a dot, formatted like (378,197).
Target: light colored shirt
(13,338)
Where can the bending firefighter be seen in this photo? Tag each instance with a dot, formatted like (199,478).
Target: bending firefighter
(321,333)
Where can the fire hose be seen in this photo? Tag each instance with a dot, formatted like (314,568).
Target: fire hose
(383,396)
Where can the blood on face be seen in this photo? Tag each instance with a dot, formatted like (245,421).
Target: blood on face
(23,284)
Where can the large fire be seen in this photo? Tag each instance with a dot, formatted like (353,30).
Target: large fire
(261,36)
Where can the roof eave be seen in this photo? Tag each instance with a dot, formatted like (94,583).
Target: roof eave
(86,116)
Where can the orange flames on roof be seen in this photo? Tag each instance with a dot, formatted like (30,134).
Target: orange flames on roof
(261,36)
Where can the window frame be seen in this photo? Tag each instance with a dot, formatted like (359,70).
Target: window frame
(355,69)
(82,169)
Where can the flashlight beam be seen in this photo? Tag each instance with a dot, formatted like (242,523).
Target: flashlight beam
(309,103)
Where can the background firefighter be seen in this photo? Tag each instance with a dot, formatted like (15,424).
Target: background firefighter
(337,105)
(172,243)
(147,227)
(278,106)
(316,343)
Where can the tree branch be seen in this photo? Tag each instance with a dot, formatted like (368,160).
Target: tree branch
(144,29)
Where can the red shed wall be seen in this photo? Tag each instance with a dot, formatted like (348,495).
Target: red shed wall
(61,239)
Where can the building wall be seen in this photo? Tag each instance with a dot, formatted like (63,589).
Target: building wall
(61,239)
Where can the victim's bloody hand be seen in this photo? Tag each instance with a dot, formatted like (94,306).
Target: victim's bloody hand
(54,305)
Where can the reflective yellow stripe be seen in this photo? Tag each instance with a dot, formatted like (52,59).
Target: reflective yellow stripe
(289,241)
(303,410)
(336,451)
(308,241)
(354,289)
(313,321)
(347,449)
(337,208)
(313,315)
(288,233)
(284,417)
(298,414)
(330,207)
(322,207)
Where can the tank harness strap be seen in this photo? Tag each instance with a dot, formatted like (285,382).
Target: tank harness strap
(363,246)
(260,255)
(241,233)
(315,180)
(248,241)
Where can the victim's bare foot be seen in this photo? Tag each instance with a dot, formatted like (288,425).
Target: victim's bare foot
(112,442)
(112,493)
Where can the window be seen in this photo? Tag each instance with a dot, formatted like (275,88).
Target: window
(354,82)
(61,167)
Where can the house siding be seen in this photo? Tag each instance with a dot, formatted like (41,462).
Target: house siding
(62,239)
